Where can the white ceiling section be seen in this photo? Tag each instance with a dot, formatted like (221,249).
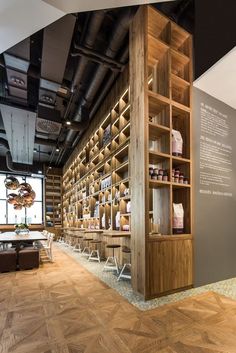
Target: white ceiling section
(220,80)
(20,130)
(21,18)
(70,6)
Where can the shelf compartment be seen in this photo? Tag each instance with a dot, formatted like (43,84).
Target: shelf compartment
(159,138)
(158,109)
(184,167)
(180,65)
(159,208)
(180,90)
(180,39)
(183,195)
(181,123)
(158,25)
(158,66)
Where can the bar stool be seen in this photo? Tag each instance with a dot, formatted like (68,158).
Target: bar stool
(125,250)
(86,250)
(95,254)
(112,259)
(78,247)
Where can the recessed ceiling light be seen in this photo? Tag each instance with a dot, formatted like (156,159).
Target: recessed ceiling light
(35,150)
(49,167)
(68,122)
(40,171)
(57,149)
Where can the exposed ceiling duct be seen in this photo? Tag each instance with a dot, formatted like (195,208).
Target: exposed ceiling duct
(116,41)
(19,125)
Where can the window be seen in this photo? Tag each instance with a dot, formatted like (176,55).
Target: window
(32,215)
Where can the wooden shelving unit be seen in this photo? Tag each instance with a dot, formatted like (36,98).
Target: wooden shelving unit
(132,131)
(53,199)
(160,86)
(96,182)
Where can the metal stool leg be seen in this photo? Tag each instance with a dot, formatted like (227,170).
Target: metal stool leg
(94,255)
(121,275)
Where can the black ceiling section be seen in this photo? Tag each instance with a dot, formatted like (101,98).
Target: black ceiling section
(215,32)
(73,64)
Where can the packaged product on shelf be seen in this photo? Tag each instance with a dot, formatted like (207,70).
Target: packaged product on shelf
(126,191)
(106,135)
(103,221)
(118,220)
(177,143)
(178,218)
(128,207)
(126,227)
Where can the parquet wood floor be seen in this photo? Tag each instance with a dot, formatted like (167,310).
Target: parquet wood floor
(62,308)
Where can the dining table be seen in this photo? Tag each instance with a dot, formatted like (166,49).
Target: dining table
(21,238)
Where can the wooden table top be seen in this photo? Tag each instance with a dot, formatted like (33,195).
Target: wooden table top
(116,233)
(13,237)
(93,231)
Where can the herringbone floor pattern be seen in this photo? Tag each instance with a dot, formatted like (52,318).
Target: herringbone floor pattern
(62,308)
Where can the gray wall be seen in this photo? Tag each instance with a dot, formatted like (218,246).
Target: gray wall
(214,196)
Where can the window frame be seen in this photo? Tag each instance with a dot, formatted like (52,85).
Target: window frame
(24,177)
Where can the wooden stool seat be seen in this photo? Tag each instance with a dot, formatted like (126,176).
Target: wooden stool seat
(113,246)
(96,241)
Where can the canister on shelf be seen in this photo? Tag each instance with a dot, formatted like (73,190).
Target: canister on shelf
(165,177)
(185,181)
(160,177)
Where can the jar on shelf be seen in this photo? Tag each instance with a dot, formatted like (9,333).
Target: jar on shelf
(176,179)
(165,177)
(156,171)
(160,177)
(181,179)
(185,181)
(154,176)
(151,171)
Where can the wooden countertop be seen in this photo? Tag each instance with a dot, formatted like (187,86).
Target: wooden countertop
(98,231)
(116,233)
(106,233)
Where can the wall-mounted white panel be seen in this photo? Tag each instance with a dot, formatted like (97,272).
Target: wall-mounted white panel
(21,18)
(220,80)
(70,6)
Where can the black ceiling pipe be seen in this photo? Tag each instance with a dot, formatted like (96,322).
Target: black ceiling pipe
(101,58)
(116,40)
(123,58)
(92,31)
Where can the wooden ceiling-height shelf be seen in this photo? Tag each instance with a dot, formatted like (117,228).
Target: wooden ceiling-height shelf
(161,83)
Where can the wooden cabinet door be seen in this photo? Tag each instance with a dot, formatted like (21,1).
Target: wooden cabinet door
(169,266)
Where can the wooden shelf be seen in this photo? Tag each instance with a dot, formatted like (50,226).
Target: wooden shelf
(161,80)
(158,184)
(156,131)
(102,159)
(157,157)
